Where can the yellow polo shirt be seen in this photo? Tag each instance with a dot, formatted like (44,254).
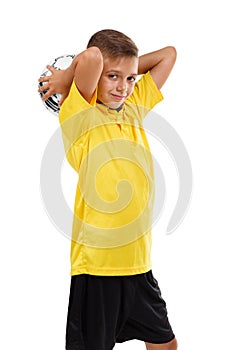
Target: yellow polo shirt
(111,233)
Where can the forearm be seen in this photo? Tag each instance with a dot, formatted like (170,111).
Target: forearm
(60,80)
(70,71)
(152,59)
(159,63)
(83,70)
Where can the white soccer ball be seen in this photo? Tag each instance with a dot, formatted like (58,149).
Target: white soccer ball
(61,62)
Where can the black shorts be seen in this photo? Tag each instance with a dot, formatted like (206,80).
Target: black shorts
(104,310)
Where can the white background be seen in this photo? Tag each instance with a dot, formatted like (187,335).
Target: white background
(194,264)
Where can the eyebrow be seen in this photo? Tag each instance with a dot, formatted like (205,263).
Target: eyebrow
(118,71)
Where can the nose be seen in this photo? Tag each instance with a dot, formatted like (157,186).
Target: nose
(122,86)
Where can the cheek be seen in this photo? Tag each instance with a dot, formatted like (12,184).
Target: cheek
(130,89)
(103,86)
(100,91)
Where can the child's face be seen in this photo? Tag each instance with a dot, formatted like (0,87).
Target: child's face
(117,80)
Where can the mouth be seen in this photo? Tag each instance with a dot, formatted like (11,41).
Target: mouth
(118,97)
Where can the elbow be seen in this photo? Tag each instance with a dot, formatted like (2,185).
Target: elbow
(94,54)
(171,53)
(91,57)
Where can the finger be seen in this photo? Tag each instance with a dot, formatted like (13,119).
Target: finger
(43,87)
(50,68)
(44,79)
(46,96)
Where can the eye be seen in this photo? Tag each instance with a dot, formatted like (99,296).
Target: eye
(112,76)
(131,79)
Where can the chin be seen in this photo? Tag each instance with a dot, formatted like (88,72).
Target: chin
(115,105)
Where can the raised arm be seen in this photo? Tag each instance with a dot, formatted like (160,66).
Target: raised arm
(159,63)
(88,71)
(85,70)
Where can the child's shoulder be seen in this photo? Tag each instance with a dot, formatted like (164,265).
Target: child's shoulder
(75,103)
(145,92)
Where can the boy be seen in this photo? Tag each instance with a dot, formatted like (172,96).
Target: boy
(114,296)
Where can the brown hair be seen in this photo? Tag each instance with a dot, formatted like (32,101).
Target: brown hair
(113,43)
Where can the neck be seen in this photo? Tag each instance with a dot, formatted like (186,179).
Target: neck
(118,109)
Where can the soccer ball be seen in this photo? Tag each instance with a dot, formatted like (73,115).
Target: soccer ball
(61,62)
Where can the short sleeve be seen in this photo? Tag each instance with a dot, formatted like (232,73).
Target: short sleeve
(72,117)
(75,103)
(146,94)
